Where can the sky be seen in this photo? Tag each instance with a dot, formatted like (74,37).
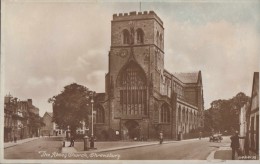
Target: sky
(47,45)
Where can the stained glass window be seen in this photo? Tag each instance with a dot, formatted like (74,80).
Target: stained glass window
(133,90)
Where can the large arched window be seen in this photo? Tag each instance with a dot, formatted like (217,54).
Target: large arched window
(157,38)
(187,115)
(179,114)
(140,35)
(193,117)
(165,114)
(183,114)
(100,114)
(155,59)
(133,90)
(190,117)
(161,40)
(126,37)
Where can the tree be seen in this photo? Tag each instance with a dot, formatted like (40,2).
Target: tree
(71,106)
(224,114)
(35,123)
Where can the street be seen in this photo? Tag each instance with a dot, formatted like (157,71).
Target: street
(179,150)
(30,150)
(49,148)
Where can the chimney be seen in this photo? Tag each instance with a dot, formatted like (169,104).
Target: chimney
(30,102)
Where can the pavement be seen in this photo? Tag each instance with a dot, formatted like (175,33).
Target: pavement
(225,153)
(222,154)
(18,142)
(11,144)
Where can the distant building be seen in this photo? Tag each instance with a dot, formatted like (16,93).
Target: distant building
(50,127)
(253,113)
(141,97)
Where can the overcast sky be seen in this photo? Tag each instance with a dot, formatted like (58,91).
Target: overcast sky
(47,45)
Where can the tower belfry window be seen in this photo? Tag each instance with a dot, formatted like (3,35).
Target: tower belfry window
(161,40)
(157,38)
(140,36)
(126,37)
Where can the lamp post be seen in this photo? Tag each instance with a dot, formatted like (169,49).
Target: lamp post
(86,138)
(92,122)
(92,102)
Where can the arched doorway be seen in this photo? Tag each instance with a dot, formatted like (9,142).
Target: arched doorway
(133,129)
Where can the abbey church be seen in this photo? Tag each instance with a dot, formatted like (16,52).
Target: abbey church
(141,97)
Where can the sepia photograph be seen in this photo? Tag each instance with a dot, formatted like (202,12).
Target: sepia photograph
(161,81)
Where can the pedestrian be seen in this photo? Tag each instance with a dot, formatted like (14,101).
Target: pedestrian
(15,139)
(234,144)
(200,135)
(71,141)
(161,137)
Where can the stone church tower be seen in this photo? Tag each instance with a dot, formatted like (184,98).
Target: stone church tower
(142,98)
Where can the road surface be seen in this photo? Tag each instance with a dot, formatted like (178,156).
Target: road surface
(49,148)
(179,150)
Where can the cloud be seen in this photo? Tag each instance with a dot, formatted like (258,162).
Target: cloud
(37,82)
(50,45)
(226,53)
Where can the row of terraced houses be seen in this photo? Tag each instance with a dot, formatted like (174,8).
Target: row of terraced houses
(21,119)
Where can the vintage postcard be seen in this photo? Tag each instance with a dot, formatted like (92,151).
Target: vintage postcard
(172,81)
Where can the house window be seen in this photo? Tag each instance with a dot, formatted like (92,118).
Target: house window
(165,114)
(126,37)
(140,36)
(133,96)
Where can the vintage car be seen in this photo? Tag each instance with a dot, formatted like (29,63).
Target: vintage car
(215,137)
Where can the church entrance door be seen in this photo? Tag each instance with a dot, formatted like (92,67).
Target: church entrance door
(133,129)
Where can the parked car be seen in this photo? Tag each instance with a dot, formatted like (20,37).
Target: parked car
(215,137)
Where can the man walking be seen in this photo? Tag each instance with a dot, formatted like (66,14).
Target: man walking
(161,137)
(200,135)
(234,144)
(72,141)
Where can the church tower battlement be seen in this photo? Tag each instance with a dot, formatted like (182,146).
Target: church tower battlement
(147,26)
(139,15)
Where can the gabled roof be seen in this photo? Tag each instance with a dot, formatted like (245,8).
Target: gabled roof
(49,113)
(189,77)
